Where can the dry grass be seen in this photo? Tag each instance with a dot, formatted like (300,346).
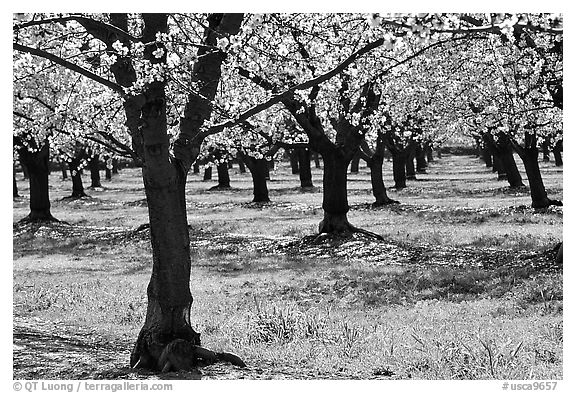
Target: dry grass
(326,316)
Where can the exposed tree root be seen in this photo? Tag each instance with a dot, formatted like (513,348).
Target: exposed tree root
(74,197)
(338,225)
(546,203)
(385,202)
(30,218)
(182,355)
(220,188)
(143,227)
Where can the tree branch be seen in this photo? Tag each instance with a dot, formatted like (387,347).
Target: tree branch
(71,66)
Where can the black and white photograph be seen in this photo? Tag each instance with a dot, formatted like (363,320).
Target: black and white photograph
(287,196)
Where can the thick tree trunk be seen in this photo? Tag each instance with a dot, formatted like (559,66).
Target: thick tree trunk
(546,149)
(335,194)
(241,165)
(167,326)
(115,167)
(508,163)
(259,170)
(77,185)
(316,158)
(196,168)
(14,187)
(305,169)
(558,147)
(421,163)
(37,164)
(63,170)
(223,177)
(529,156)
(399,169)
(293,154)
(94,165)
(355,164)
(377,179)
(207,174)
(537,190)
(108,174)
(169,297)
(486,157)
(410,168)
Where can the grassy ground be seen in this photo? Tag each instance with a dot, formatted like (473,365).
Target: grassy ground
(462,288)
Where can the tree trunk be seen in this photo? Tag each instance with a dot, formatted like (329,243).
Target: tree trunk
(169,298)
(355,164)
(259,170)
(529,156)
(94,165)
(546,149)
(421,163)
(504,147)
(37,165)
(241,165)
(108,174)
(558,147)
(223,176)
(410,169)
(316,158)
(293,154)
(486,157)
(537,190)
(399,169)
(63,170)
(305,169)
(115,167)
(14,187)
(77,186)
(335,194)
(376,177)
(207,174)
(498,166)
(196,168)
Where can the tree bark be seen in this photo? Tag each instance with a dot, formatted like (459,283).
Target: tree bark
(37,164)
(94,165)
(305,171)
(259,170)
(504,147)
(77,185)
(207,174)
(241,165)
(63,170)
(410,155)
(399,169)
(486,156)
(293,155)
(355,164)
(558,147)
(223,177)
(335,194)
(529,156)
(115,167)
(376,177)
(316,158)
(169,297)
(14,187)
(196,168)
(546,149)
(421,163)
